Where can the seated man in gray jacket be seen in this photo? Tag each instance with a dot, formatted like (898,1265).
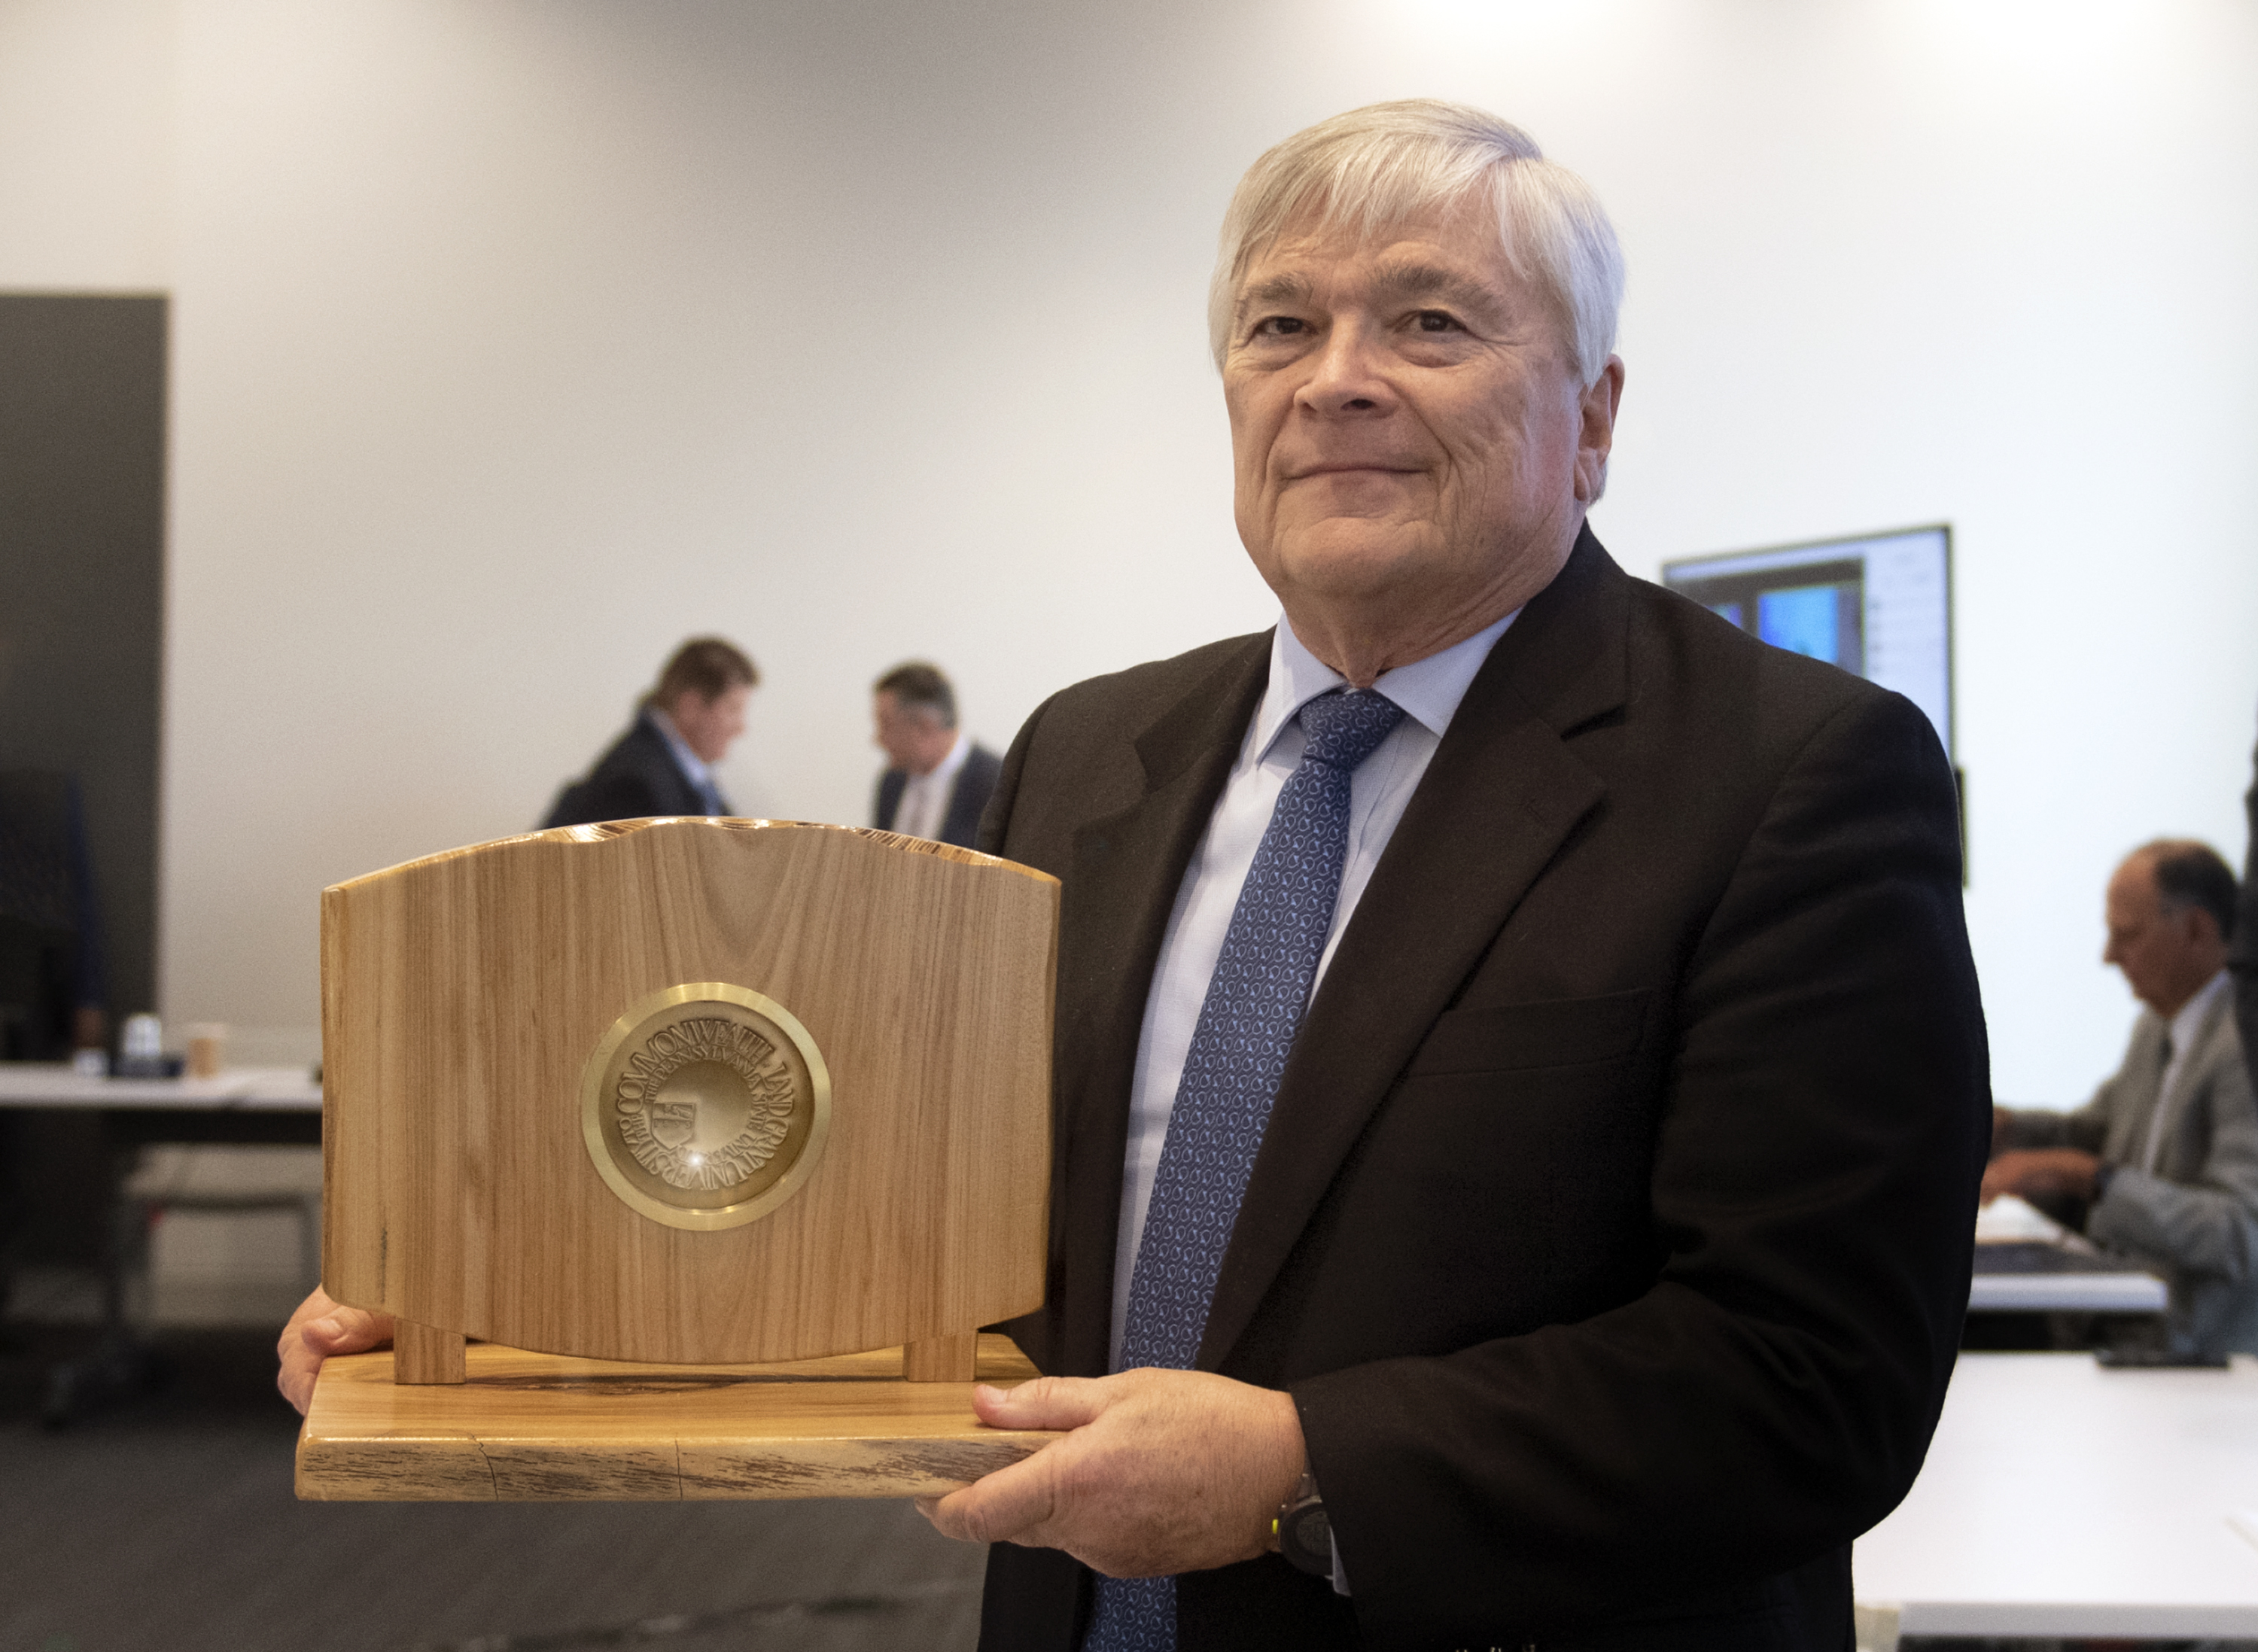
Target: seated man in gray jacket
(2162,1165)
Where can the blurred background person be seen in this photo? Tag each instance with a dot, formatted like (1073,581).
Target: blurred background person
(2162,1165)
(2242,957)
(664,764)
(939,781)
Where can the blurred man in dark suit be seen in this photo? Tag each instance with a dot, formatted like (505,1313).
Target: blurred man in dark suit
(664,764)
(938,781)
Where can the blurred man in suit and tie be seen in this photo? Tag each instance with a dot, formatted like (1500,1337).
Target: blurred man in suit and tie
(938,781)
(2162,1165)
(664,764)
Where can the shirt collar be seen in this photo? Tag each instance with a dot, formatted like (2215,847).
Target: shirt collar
(1428,690)
(692,766)
(947,768)
(2188,1022)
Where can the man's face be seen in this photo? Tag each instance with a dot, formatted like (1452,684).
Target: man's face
(708,727)
(911,736)
(2165,952)
(1407,423)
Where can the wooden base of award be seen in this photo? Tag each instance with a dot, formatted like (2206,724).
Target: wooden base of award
(738,1130)
(526,1428)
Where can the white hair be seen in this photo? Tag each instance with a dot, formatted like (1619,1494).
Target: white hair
(1389,163)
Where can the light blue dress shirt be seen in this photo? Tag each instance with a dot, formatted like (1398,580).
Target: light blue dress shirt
(1429,691)
(693,767)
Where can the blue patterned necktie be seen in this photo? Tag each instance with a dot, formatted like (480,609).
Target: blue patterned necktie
(1237,1055)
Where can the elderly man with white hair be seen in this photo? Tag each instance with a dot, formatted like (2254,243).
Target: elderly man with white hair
(1521,1087)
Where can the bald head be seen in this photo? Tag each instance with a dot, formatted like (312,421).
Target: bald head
(2167,944)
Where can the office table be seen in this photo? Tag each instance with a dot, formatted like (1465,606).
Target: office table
(2060,1499)
(247,1106)
(274,1092)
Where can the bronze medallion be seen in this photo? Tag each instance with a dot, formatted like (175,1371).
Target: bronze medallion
(706,1106)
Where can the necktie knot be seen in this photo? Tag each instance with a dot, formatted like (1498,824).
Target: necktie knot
(1343,728)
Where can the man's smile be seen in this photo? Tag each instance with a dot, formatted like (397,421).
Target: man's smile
(1350,467)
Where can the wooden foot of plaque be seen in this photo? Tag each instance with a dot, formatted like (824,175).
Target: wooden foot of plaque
(421,1354)
(523,1427)
(939,1358)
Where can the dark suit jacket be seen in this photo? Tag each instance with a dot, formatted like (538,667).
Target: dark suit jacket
(638,776)
(1612,1226)
(967,798)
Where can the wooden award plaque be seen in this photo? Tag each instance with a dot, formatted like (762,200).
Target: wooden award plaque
(723,1136)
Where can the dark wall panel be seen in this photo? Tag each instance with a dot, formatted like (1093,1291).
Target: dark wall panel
(81,588)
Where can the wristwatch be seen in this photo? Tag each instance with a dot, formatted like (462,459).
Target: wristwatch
(1304,1535)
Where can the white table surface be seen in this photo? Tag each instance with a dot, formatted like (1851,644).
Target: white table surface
(55,1084)
(2060,1499)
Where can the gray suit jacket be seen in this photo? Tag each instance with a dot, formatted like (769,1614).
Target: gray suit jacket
(2195,1217)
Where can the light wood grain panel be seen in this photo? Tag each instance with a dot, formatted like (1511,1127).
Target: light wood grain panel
(462,995)
(541,1426)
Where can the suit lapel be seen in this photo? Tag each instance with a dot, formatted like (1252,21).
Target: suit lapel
(679,793)
(1126,869)
(2144,1084)
(2164,1112)
(955,828)
(1501,794)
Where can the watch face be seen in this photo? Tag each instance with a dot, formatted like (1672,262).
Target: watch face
(1305,1537)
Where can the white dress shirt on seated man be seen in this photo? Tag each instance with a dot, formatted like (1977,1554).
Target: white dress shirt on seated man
(924,798)
(2182,1031)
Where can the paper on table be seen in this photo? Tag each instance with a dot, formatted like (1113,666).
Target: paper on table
(2008,1220)
(2245,1522)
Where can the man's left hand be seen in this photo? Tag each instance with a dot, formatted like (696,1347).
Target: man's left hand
(1164,1471)
(2043,1171)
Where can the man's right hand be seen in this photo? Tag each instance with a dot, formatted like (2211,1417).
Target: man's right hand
(319,1329)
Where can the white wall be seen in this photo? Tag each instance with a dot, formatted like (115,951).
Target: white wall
(515,341)
(85,163)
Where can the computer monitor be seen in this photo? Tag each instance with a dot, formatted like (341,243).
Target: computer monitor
(1879,605)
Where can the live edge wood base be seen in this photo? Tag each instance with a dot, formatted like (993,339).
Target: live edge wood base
(424,1354)
(526,1428)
